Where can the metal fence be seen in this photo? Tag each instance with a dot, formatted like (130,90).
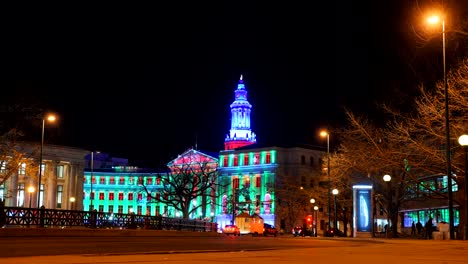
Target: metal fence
(50,218)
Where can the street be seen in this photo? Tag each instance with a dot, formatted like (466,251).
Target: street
(244,250)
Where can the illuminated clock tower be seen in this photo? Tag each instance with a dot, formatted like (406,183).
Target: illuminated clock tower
(240,134)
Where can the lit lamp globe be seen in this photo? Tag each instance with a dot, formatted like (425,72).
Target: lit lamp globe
(387,178)
(463,140)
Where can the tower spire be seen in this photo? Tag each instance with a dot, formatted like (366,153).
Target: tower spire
(240,133)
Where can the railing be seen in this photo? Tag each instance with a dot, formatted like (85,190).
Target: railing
(50,218)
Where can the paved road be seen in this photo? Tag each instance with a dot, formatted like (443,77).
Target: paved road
(247,250)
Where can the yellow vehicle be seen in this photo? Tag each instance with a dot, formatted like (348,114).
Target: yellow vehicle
(250,224)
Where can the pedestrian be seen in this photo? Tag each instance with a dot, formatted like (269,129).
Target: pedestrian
(419,227)
(413,229)
(428,228)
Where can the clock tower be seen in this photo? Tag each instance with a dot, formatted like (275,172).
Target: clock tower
(240,133)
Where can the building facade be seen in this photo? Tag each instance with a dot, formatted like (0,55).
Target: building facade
(61,179)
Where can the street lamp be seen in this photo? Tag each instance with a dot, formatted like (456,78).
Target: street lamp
(72,201)
(91,195)
(50,118)
(387,178)
(436,20)
(327,135)
(463,140)
(335,224)
(316,217)
(31,189)
(312,201)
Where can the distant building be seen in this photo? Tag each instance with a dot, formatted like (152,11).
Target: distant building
(62,178)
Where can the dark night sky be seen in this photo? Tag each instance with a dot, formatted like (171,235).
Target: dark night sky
(147,82)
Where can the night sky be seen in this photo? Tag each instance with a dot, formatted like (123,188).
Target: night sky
(148,82)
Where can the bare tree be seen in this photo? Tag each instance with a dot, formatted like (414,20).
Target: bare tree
(184,185)
(408,147)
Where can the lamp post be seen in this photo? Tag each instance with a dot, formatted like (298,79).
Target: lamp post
(312,201)
(327,135)
(463,140)
(436,20)
(387,178)
(50,118)
(72,201)
(31,189)
(91,195)
(316,216)
(335,223)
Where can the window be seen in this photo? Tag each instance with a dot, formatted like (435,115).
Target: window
(246,160)
(158,196)
(312,183)
(268,158)
(236,161)
(101,196)
(148,210)
(311,161)
(130,196)
(140,180)
(91,195)
(158,180)
(130,209)
(148,197)
(59,196)
(120,209)
(225,161)
(139,210)
(60,171)
(121,196)
(303,180)
(302,160)
(41,194)
(140,196)
(93,180)
(102,180)
(3,167)
(101,208)
(110,209)
(247,182)
(235,183)
(149,181)
(22,169)
(112,180)
(20,195)
(157,210)
(256,159)
(258,181)
(2,192)
(121,180)
(111,196)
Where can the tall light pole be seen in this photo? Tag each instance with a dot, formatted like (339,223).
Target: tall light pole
(312,201)
(315,216)
(327,135)
(387,178)
(436,20)
(91,196)
(50,118)
(335,224)
(463,140)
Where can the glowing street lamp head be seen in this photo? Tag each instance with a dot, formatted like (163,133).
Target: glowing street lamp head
(72,199)
(312,200)
(31,189)
(51,117)
(335,191)
(434,19)
(387,177)
(323,133)
(463,140)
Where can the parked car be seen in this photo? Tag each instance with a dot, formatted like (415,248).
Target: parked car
(269,230)
(301,231)
(332,232)
(231,230)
